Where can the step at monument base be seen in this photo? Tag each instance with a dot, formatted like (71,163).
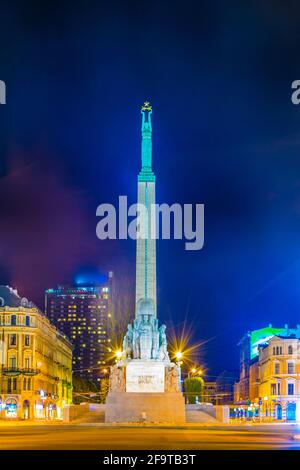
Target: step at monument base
(126,407)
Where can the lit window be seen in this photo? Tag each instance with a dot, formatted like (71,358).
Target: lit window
(13,340)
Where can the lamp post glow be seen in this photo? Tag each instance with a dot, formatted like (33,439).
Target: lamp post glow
(119,354)
(194,371)
(178,355)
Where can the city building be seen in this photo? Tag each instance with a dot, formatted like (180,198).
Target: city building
(279,378)
(249,354)
(82,313)
(210,392)
(225,387)
(35,361)
(273,376)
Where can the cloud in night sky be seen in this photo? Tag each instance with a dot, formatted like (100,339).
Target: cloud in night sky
(47,231)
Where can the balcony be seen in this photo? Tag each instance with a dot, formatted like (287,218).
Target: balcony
(11,371)
(30,372)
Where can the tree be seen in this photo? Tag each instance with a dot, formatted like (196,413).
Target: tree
(193,388)
(82,389)
(104,388)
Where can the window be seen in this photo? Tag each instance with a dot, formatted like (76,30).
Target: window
(13,340)
(290,389)
(27,363)
(14,384)
(277,368)
(13,362)
(273,389)
(290,368)
(27,340)
(27,320)
(27,384)
(290,349)
(278,388)
(274,351)
(13,319)
(9,386)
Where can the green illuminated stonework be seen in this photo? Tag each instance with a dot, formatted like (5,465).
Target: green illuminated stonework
(146,174)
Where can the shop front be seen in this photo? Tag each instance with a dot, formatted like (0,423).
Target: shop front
(11,408)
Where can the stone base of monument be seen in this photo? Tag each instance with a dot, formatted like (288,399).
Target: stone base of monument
(144,391)
(126,407)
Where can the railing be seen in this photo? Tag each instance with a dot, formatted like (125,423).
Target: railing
(30,371)
(290,397)
(11,371)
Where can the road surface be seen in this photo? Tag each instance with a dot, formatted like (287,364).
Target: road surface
(91,437)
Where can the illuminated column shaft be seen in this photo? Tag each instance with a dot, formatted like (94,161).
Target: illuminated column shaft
(146,248)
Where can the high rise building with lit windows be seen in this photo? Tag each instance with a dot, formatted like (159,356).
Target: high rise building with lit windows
(82,313)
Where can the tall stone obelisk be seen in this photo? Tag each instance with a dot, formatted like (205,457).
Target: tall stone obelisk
(144,383)
(145,247)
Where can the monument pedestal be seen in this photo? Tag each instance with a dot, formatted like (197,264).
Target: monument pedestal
(130,407)
(144,391)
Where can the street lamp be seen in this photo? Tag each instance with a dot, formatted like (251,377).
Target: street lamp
(178,355)
(192,371)
(119,354)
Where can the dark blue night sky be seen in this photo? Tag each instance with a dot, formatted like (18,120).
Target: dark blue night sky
(226,134)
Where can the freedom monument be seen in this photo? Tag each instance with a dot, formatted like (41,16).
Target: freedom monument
(144,383)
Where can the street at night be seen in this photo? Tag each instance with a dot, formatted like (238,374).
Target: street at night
(101,437)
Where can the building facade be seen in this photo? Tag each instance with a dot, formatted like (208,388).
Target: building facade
(82,314)
(248,347)
(225,387)
(279,379)
(273,392)
(36,362)
(210,393)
